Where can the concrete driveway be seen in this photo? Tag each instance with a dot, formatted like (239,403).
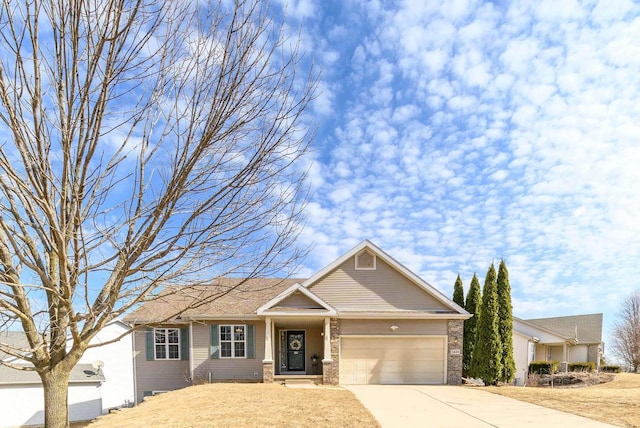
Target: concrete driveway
(454,406)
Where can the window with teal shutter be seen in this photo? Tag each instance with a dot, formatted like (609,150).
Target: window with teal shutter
(214,348)
(184,343)
(149,344)
(251,345)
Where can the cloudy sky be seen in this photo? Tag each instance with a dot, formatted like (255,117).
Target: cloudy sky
(459,133)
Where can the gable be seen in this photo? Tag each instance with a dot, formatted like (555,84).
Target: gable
(296,300)
(299,301)
(347,288)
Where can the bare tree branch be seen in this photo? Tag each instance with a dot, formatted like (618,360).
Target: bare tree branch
(147,148)
(626,333)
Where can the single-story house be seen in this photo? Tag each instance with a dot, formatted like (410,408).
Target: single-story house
(568,339)
(102,380)
(363,319)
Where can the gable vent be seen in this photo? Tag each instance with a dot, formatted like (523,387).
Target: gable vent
(365,260)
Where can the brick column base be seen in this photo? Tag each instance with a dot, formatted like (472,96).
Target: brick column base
(327,373)
(454,352)
(330,373)
(267,371)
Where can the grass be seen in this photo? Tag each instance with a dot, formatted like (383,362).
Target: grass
(616,402)
(244,405)
(271,405)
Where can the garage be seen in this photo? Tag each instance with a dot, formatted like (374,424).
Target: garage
(392,360)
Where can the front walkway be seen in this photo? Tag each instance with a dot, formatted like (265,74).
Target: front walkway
(458,407)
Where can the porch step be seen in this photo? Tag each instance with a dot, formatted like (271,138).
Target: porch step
(291,381)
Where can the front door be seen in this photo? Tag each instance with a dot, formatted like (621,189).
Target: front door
(295,351)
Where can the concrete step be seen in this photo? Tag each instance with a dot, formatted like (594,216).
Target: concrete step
(299,382)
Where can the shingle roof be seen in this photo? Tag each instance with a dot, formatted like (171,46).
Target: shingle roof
(79,374)
(587,328)
(227,297)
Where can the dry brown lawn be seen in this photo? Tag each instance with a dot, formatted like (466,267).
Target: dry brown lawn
(244,405)
(616,402)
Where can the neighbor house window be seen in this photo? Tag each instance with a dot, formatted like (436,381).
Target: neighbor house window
(167,343)
(532,351)
(232,341)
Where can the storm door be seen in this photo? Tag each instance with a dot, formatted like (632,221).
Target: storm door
(295,350)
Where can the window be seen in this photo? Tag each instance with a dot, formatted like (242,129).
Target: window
(532,351)
(167,343)
(232,341)
(365,261)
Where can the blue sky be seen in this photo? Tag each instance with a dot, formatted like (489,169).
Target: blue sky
(453,134)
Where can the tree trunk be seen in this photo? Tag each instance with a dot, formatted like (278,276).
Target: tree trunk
(56,404)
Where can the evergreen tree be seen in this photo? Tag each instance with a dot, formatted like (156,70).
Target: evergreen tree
(458,292)
(486,361)
(505,315)
(473,304)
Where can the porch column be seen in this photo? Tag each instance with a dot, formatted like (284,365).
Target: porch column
(331,358)
(268,347)
(267,363)
(565,357)
(327,340)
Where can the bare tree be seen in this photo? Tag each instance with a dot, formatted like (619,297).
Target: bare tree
(146,147)
(626,333)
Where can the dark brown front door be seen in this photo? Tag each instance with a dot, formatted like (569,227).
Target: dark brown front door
(295,351)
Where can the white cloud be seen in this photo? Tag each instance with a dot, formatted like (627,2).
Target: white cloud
(298,9)
(473,131)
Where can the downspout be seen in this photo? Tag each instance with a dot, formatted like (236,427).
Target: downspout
(191,368)
(135,363)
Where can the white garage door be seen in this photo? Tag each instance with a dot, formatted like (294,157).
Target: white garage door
(393,360)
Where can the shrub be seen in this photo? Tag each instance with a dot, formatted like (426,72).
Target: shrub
(582,367)
(543,367)
(533,379)
(611,369)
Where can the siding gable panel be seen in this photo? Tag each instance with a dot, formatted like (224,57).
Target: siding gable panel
(299,301)
(382,289)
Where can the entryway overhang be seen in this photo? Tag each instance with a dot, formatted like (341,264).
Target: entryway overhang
(296,301)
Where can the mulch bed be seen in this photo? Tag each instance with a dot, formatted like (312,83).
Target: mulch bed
(569,380)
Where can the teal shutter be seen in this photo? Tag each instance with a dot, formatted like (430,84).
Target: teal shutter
(214,348)
(184,343)
(149,344)
(251,342)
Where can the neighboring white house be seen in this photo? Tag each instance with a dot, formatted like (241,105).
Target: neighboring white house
(102,380)
(569,339)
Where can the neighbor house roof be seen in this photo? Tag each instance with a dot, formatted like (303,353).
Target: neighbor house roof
(584,328)
(81,373)
(15,339)
(226,297)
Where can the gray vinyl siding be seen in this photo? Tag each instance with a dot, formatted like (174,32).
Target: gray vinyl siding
(157,375)
(382,289)
(382,327)
(298,300)
(223,369)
